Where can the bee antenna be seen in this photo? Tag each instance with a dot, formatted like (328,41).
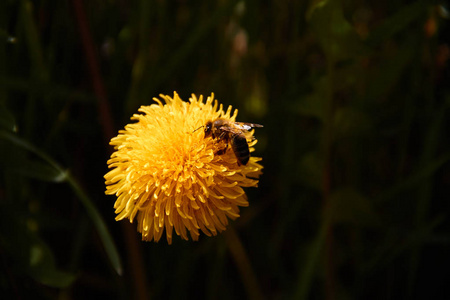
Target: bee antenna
(198,128)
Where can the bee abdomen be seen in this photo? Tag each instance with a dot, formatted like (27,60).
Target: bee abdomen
(240,148)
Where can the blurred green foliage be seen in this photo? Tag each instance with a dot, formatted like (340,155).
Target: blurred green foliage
(354,97)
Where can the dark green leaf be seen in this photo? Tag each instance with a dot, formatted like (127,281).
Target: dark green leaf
(313,105)
(383,78)
(337,36)
(39,170)
(350,122)
(311,170)
(347,205)
(7,120)
(29,252)
(394,245)
(413,180)
(100,225)
(13,159)
(398,22)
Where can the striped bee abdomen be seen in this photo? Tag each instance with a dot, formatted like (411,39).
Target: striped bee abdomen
(240,148)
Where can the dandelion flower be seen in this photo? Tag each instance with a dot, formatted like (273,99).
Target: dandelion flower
(167,175)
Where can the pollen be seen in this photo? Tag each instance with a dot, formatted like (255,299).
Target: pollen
(168,176)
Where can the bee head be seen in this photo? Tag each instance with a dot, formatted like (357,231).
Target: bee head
(208,127)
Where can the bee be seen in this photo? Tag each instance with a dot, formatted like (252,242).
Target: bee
(233,133)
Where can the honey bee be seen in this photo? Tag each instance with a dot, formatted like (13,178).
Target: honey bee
(231,132)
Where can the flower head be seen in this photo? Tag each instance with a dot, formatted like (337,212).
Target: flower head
(166,174)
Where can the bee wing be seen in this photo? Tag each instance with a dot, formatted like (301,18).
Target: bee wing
(229,129)
(246,126)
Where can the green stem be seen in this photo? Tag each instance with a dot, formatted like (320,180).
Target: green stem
(315,250)
(243,264)
(326,185)
(32,39)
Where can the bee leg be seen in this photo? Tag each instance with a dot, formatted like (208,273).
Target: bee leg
(222,136)
(223,150)
(220,152)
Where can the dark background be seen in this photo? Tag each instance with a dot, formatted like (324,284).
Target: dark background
(354,97)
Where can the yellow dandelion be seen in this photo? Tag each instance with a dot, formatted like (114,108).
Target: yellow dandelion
(169,176)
